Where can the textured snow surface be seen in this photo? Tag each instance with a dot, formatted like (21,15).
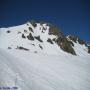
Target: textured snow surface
(47,69)
(30,71)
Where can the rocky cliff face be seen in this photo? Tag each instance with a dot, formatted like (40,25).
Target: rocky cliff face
(41,37)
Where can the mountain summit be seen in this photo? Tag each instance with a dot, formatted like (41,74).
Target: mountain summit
(41,37)
(38,56)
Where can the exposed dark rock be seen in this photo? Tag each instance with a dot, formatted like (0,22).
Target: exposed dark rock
(54,39)
(33,44)
(38,38)
(44,28)
(8,31)
(61,40)
(19,32)
(25,31)
(30,37)
(43,31)
(23,36)
(65,45)
(75,39)
(53,30)
(50,41)
(9,48)
(27,24)
(71,43)
(81,41)
(88,49)
(40,46)
(30,29)
(33,23)
(22,48)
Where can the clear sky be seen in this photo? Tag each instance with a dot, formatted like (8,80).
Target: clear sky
(72,16)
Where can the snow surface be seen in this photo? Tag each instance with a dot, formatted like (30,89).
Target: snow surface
(48,69)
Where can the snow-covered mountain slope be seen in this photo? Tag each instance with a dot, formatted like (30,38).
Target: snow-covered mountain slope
(38,37)
(34,56)
(36,71)
(15,37)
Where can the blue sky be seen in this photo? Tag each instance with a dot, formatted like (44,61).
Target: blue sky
(71,16)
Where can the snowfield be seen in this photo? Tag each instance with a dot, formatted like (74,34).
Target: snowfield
(36,69)
(44,72)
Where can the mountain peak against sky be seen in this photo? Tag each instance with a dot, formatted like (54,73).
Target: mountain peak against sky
(73,16)
(50,52)
(38,56)
(41,37)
